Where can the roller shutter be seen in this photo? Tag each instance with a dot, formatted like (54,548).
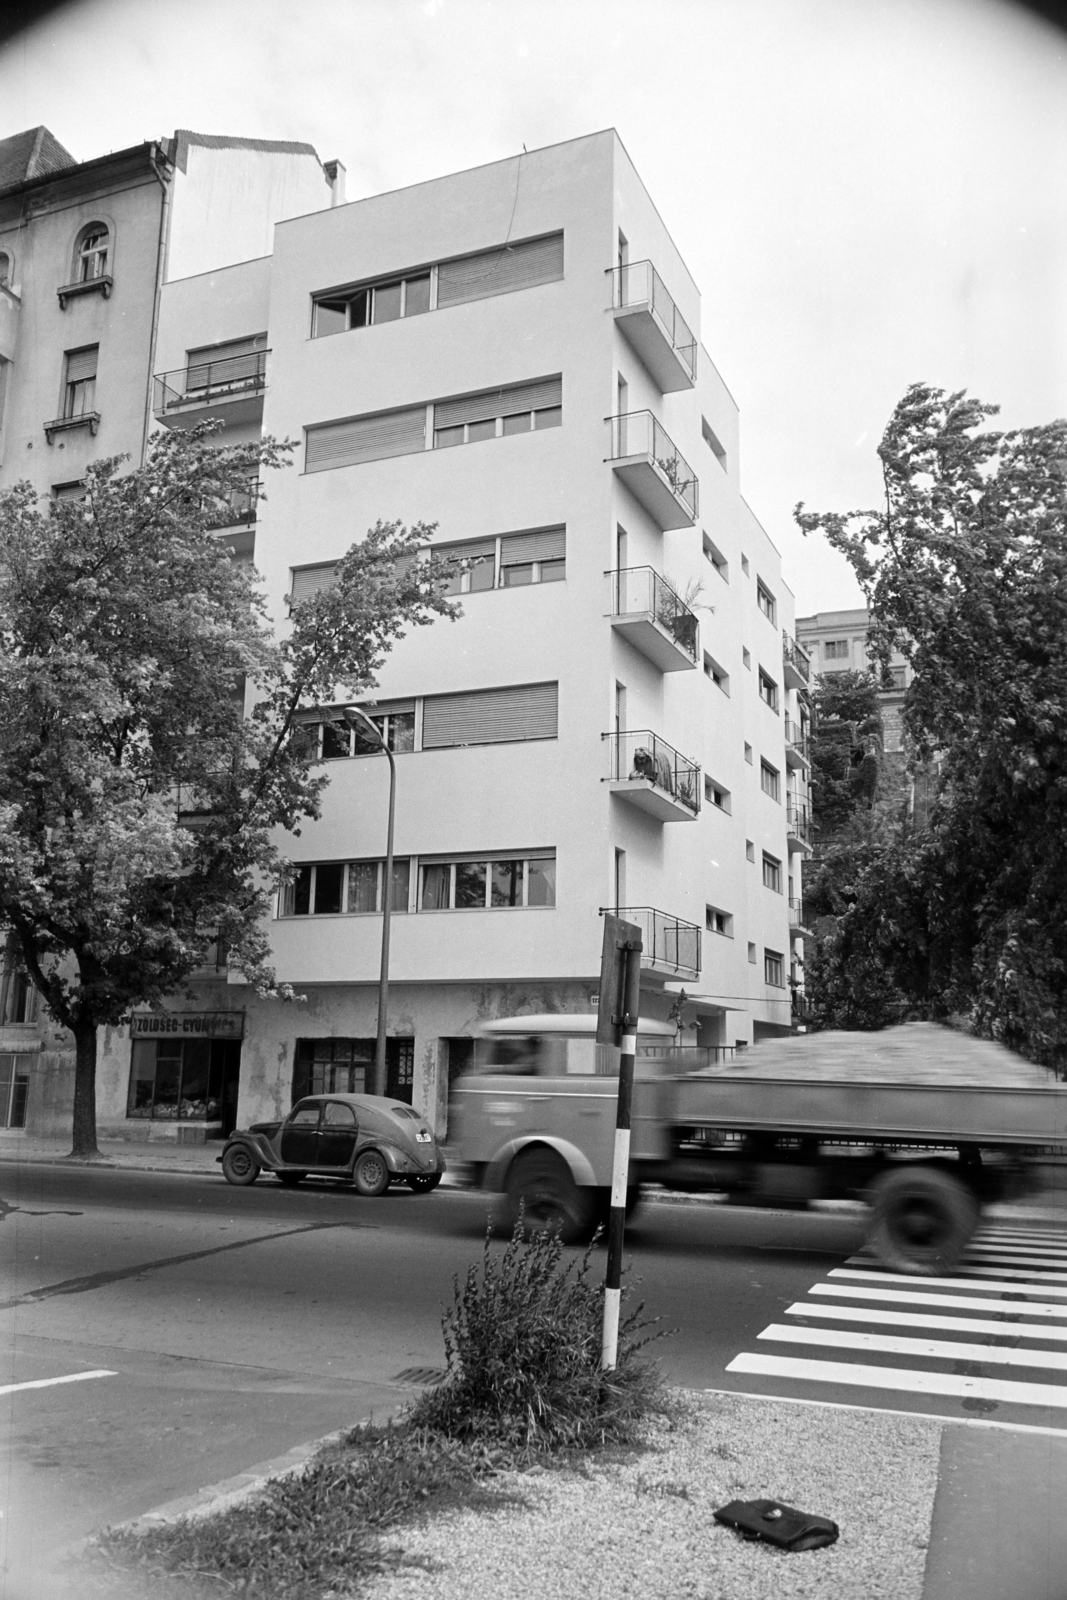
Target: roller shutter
(309,580)
(490,716)
(536,396)
(81,364)
(373,438)
(547,544)
(516,266)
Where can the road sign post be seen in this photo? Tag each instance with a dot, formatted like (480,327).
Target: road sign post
(620,991)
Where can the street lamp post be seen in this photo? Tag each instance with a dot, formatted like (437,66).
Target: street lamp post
(360,721)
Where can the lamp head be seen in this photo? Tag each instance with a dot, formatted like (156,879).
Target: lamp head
(358,719)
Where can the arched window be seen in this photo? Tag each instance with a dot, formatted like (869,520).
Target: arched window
(5,269)
(92,254)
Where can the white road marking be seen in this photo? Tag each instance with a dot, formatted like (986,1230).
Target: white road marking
(917,1319)
(1006,1280)
(1003,1308)
(913,1380)
(1020,1252)
(889,1411)
(898,1345)
(1024,1235)
(47,1383)
(997,1267)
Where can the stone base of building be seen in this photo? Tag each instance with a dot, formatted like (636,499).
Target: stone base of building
(141,1130)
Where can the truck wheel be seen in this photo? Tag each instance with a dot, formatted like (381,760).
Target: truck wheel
(541,1182)
(238,1166)
(923,1219)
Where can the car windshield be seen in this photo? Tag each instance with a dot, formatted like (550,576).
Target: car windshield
(304,1117)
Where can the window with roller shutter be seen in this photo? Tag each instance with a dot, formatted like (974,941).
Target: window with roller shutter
(496,413)
(491,716)
(507,561)
(500,271)
(373,438)
(309,580)
(79,386)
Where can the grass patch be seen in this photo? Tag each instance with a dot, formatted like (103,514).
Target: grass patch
(523,1390)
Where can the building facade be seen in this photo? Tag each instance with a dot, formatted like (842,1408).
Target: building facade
(836,641)
(617,719)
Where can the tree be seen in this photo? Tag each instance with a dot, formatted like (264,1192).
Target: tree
(139,804)
(845,741)
(965,571)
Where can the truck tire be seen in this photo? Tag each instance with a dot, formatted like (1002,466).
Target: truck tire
(923,1219)
(540,1182)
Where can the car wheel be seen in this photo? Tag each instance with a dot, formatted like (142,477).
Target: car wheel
(239,1166)
(290,1179)
(370,1174)
(540,1183)
(421,1185)
(923,1219)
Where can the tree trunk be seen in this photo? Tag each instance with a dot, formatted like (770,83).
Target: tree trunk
(85,1090)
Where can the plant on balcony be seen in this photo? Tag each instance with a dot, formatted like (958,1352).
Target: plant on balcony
(138,802)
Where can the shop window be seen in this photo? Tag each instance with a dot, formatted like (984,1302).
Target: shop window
(14,1090)
(343,1066)
(185,1080)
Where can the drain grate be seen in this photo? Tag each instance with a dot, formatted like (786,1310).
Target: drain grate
(419,1377)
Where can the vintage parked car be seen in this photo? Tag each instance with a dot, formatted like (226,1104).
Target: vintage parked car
(363,1139)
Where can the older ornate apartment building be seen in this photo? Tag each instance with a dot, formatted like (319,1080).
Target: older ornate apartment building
(617,720)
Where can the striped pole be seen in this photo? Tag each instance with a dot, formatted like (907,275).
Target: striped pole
(630,988)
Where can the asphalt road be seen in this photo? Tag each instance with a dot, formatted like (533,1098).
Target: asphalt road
(228,1325)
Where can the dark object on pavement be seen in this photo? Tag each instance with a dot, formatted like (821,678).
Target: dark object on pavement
(780,1525)
(363,1139)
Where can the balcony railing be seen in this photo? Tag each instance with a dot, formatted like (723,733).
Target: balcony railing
(235,508)
(652,774)
(648,316)
(670,944)
(797,820)
(648,461)
(797,663)
(796,742)
(654,618)
(685,1058)
(796,912)
(209,383)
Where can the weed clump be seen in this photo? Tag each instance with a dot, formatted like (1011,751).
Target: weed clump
(523,1345)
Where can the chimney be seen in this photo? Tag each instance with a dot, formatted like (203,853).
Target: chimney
(335,177)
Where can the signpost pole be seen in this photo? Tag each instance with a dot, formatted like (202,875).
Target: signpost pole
(620,991)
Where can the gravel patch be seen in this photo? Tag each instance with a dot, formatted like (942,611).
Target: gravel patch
(642,1526)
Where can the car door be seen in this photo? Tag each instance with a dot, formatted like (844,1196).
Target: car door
(299,1143)
(338,1134)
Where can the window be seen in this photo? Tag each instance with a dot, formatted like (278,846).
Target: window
(744,565)
(718,675)
(750,850)
(773,968)
(748,753)
(835,649)
(719,922)
(91,256)
(340,1066)
(236,364)
(491,884)
(507,562)
(711,439)
(371,438)
(327,888)
(309,580)
(495,413)
(746,657)
(716,795)
(766,601)
(79,382)
(770,780)
(509,267)
(18,997)
(490,716)
(895,677)
(752,954)
(5,269)
(14,1090)
(186,1080)
(768,690)
(335,739)
(772,873)
(69,491)
(713,554)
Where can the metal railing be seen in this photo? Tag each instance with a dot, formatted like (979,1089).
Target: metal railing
(796,738)
(796,657)
(642,754)
(211,380)
(668,941)
(640,591)
(796,912)
(689,1057)
(638,283)
(639,433)
(798,822)
(235,507)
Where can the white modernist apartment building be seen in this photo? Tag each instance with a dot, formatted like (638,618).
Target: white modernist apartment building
(618,719)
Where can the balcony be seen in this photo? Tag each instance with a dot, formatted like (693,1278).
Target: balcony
(651,322)
(796,664)
(651,617)
(796,745)
(649,773)
(231,389)
(671,946)
(797,824)
(645,458)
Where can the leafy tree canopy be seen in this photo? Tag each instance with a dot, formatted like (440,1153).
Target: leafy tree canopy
(140,806)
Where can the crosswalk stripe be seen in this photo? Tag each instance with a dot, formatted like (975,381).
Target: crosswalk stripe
(849,1291)
(1017,1248)
(1006,1280)
(990,1230)
(920,1319)
(985,1257)
(914,1380)
(1000,1267)
(899,1345)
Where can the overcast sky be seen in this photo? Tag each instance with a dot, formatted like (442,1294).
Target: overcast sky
(868,192)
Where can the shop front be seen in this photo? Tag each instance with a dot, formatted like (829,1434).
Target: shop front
(185,1069)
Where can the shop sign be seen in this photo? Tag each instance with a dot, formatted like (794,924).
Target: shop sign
(187,1025)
